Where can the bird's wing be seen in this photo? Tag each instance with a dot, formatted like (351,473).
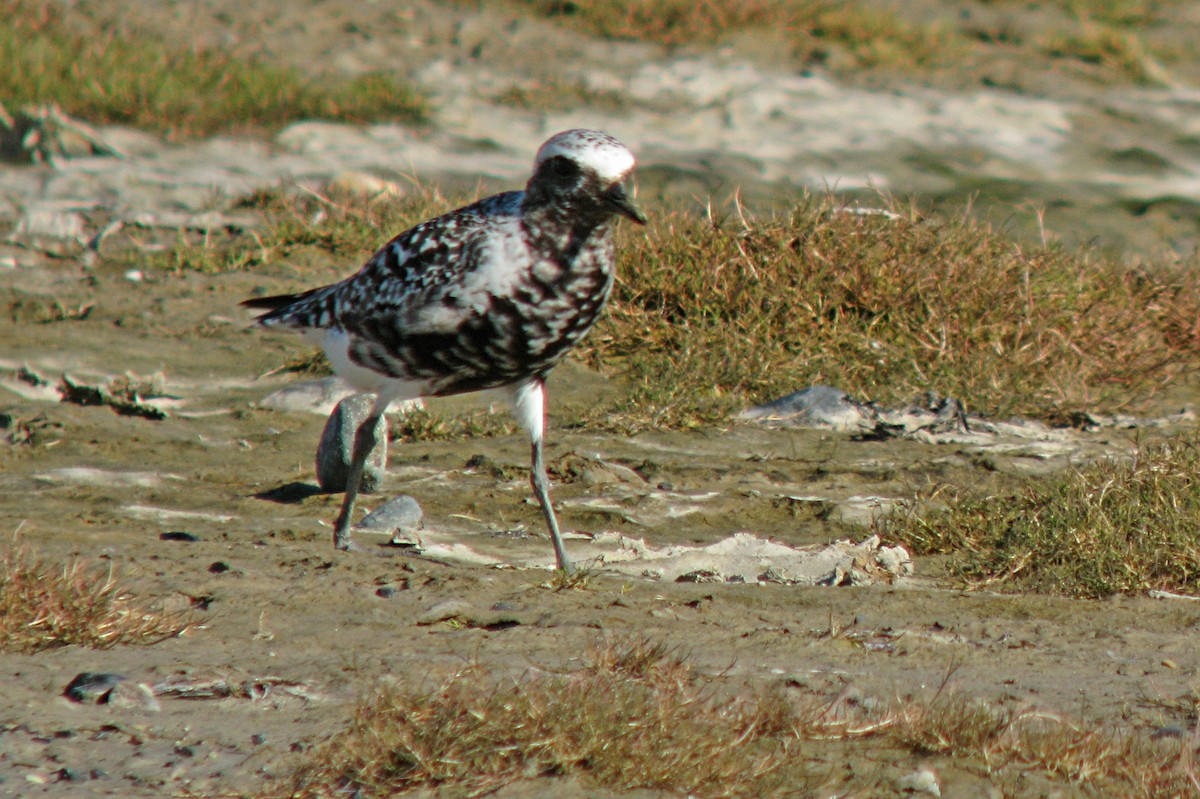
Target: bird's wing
(408,281)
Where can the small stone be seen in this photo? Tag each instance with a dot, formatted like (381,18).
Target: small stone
(258,739)
(701,576)
(816,406)
(1167,733)
(401,517)
(386,591)
(179,535)
(894,560)
(218,567)
(90,686)
(133,696)
(444,611)
(336,449)
(363,184)
(920,781)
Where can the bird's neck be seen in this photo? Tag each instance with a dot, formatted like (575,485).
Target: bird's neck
(561,232)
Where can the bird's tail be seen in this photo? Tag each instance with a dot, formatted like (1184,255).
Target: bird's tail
(277,306)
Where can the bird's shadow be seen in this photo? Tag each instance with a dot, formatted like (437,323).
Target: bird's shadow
(290,493)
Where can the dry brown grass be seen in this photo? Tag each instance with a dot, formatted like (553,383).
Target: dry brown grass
(1114,526)
(45,605)
(1109,763)
(709,314)
(864,36)
(639,715)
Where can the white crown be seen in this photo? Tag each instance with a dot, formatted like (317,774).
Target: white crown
(591,149)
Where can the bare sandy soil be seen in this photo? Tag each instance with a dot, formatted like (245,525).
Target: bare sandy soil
(303,630)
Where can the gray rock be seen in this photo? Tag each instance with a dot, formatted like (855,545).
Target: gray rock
(133,696)
(444,611)
(90,686)
(337,446)
(816,406)
(400,517)
(50,230)
(922,780)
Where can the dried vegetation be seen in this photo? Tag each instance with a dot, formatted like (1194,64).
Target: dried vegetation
(119,77)
(45,605)
(1121,41)
(1114,526)
(639,716)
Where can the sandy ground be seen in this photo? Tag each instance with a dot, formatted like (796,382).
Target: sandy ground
(305,629)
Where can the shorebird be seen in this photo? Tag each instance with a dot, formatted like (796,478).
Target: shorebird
(492,295)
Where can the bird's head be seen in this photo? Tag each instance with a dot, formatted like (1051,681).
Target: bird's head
(584,169)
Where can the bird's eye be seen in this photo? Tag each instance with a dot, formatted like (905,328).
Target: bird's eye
(561,167)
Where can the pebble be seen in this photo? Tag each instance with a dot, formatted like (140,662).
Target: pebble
(363,184)
(90,686)
(400,517)
(179,535)
(920,781)
(1167,733)
(816,406)
(337,445)
(444,611)
(133,696)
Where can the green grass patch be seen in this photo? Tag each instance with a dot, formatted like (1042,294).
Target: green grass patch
(138,80)
(1115,526)
(1120,36)
(1117,48)
(866,36)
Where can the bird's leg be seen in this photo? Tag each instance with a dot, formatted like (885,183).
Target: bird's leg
(529,403)
(541,487)
(364,442)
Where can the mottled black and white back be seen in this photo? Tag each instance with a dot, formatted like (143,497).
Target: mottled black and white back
(490,295)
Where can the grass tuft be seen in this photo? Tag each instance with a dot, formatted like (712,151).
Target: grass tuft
(122,78)
(710,314)
(639,716)
(867,36)
(43,606)
(1115,526)
(651,725)
(1111,763)
(420,424)
(1122,51)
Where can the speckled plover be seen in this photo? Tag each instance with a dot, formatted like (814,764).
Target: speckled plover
(492,295)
